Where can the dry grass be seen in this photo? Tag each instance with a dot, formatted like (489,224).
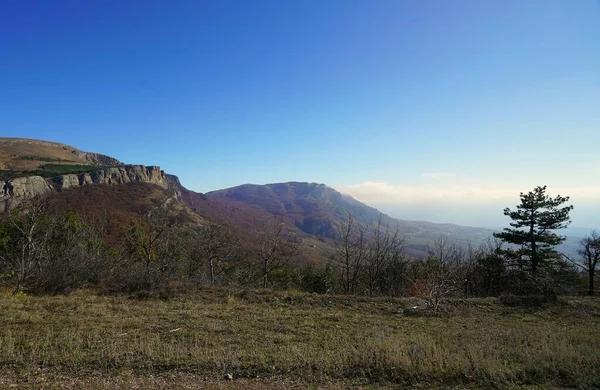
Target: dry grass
(291,340)
(13,150)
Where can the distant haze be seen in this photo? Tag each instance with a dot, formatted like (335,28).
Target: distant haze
(448,198)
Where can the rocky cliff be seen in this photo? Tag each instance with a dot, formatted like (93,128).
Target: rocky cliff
(118,175)
(25,188)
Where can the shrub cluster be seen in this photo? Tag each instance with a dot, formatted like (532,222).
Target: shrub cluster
(43,251)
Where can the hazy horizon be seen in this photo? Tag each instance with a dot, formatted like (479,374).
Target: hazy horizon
(448,201)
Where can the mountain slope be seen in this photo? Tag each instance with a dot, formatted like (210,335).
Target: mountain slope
(312,208)
(20,154)
(317,210)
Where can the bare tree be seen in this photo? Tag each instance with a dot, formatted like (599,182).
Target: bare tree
(384,249)
(216,246)
(275,248)
(148,237)
(589,250)
(439,274)
(351,252)
(75,253)
(485,269)
(25,238)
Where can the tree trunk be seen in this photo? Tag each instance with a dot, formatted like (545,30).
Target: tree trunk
(534,258)
(148,261)
(591,282)
(347,276)
(265,275)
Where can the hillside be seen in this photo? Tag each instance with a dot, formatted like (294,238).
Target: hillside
(317,209)
(120,203)
(20,156)
(314,210)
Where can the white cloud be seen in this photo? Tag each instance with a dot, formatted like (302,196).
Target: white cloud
(380,192)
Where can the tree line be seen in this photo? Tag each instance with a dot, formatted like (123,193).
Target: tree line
(45,251)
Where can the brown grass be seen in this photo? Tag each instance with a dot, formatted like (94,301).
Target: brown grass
(292,340)
(13,149)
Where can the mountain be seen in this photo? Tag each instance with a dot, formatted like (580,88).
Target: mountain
(88,181)
(36,167)
(317,210)
(312,208)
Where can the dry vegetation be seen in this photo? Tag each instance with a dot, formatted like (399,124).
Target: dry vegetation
(22,154)
(289,339)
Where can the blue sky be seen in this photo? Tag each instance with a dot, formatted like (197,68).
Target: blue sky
(437,110)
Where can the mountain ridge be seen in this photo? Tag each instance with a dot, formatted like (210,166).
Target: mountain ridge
(315,209)
(318,210)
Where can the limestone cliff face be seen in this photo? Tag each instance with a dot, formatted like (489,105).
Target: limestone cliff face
(111,176)
(98,159)
(24,188)
(29,187)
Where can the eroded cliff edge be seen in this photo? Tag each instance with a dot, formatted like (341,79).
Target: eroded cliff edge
(25,188)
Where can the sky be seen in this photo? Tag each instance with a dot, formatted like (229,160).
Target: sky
(429,110)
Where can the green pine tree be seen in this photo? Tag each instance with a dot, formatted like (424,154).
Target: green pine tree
(533,224)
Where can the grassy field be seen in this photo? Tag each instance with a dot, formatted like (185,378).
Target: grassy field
(288,339)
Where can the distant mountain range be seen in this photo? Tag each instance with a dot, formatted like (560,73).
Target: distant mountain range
(314,210)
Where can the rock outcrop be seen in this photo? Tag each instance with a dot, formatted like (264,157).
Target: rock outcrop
(25,188)
(97,159)
(118,175)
